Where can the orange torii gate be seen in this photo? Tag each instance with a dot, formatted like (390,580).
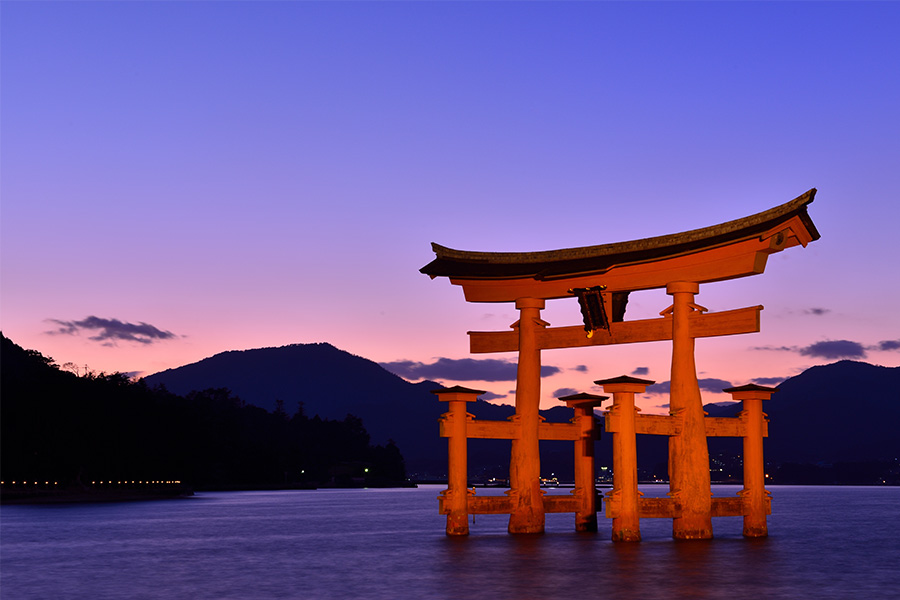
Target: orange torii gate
(602,277)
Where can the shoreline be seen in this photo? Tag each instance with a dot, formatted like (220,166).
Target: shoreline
(19,494)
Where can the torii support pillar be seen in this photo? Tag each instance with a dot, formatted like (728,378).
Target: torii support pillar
(689,483)
(626,525)
(455,499)
(754,495)
(585,484)
(525,493)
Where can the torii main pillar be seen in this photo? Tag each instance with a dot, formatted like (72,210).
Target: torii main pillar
(689,483)
(527,514)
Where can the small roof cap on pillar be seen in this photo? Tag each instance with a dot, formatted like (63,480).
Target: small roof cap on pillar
(750,387)
(458,389)
(624,383)
(751,391)
(624,379)
(582,399)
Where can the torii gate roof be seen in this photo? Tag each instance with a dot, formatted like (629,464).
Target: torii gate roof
(733,249)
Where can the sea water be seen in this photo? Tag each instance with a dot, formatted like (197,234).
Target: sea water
(824,542)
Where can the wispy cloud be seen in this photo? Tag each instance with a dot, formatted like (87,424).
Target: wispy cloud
(460,369)
(818,312)
(580,368)
(109,331)
(708,384)
(641,371)
(778,348)
(564,392)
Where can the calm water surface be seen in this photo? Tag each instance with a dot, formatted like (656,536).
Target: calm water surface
(825,542)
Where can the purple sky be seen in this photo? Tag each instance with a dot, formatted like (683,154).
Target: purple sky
(184,178)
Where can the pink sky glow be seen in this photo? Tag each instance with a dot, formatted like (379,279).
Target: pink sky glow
(185,178)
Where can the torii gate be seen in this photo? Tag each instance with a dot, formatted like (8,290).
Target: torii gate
(679,263)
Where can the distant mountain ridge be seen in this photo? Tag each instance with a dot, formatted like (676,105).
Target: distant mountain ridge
(332,383)
(845,411)
(308,373)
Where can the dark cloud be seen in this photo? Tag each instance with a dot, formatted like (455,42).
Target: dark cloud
(581,368)
(461,369)
(711,384)
(110,331)
(658,388)
(832,349)
(889,345)
(835,349)
(817,311)
(564,392)
(708,384)
(768,380)
(641,371)
(491,396)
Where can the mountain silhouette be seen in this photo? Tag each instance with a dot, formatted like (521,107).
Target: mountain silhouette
(332,383)
(846,411)
(842,412)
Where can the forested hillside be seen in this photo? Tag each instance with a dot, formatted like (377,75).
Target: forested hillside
(74,430)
